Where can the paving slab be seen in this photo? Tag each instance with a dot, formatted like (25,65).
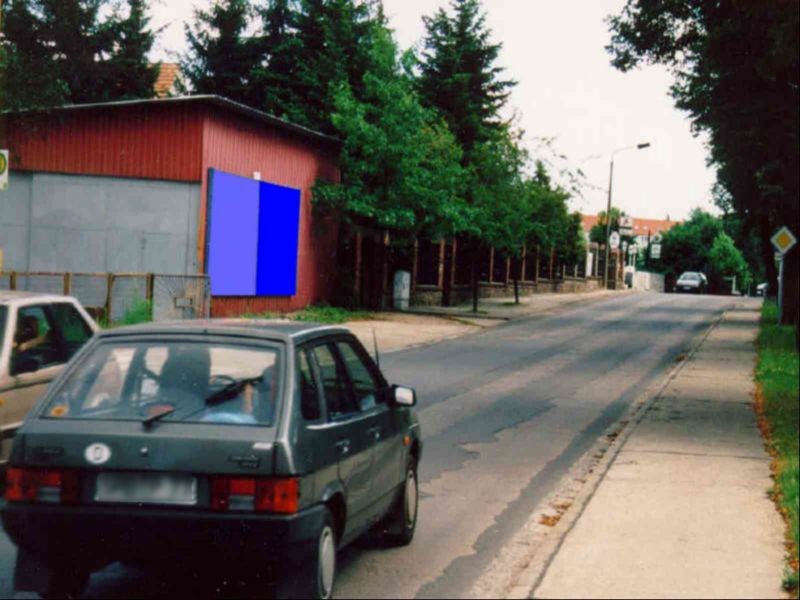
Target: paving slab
(683,511)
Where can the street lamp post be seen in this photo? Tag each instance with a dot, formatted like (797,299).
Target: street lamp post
(608,208)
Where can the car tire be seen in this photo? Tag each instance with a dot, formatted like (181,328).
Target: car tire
(317,577)
(402,520)
(65,584)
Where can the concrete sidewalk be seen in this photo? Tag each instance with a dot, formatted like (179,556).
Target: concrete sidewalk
(682,511)
(505,309)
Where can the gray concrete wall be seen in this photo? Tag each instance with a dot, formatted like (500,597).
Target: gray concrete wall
(648,282)
(78,223)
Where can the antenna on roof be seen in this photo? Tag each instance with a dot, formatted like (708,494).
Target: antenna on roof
(375,345)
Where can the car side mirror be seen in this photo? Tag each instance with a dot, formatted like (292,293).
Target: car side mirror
(25,364)
(403,396)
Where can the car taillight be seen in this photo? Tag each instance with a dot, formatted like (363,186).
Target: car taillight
(51,486)
(255,494)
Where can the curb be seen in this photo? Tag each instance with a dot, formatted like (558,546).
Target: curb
(595,464)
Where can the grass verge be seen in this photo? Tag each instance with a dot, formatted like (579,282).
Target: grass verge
(327,315)
(778,405)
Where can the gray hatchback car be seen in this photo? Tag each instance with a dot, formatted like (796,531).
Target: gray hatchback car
(252,444)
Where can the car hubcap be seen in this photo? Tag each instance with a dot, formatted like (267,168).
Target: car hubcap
(411,498)
(327,561)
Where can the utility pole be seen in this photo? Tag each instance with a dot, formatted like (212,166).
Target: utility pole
(608,221)
(608,209)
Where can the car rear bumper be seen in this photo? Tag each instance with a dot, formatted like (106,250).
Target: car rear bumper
(90,537)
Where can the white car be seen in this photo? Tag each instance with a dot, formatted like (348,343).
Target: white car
(762,289)
(692,281)
(39,333)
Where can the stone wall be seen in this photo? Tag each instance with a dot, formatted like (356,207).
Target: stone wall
(432,295)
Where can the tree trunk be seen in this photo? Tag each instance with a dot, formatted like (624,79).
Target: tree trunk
(515,263)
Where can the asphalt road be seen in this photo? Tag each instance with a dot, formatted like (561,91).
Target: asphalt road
(504,415)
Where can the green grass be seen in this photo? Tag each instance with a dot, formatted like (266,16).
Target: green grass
(141,311)
(777,375)
(328,315)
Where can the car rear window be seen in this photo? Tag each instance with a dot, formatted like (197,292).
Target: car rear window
(691,276)
(189,382)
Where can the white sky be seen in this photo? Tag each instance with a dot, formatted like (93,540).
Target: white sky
(567,90)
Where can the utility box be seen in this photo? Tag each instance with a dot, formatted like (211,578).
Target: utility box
(402,290)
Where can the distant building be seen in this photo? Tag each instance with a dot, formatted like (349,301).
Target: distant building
(169,78)
(643,229)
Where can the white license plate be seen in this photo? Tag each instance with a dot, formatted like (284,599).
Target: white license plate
(146,488)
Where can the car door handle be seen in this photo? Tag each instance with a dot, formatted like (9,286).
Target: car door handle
(374,433)
(343,446)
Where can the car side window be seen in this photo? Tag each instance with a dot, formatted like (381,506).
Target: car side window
(35,340)
(74,330)
(366,385)
(309,392)
(338,399)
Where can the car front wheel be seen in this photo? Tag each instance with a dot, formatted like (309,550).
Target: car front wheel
(402,521)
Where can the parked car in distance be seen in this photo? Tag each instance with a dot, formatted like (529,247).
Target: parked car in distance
(762,289)
(692,281)
(38,334)
(243,443)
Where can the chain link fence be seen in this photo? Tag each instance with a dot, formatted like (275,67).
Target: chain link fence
(115,296)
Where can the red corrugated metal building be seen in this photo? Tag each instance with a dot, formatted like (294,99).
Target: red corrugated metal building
(179,140)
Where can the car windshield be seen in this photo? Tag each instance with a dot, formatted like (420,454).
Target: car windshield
(690,277)
(173,381)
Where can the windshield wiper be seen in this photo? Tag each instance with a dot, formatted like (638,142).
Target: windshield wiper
(231,390)
(148,421)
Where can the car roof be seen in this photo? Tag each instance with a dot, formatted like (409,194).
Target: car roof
(14,295)
(276,329)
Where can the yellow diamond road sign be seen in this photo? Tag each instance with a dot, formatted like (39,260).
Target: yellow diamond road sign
(784,240)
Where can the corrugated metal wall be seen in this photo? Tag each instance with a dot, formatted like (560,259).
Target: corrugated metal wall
(233,144)
(146,142)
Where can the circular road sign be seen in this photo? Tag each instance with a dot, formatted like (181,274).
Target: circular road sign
(613,240)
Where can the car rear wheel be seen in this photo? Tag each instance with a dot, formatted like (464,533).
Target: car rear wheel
(317,577)
(402,521)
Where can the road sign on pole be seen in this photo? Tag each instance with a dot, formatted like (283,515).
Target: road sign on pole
(3,169)
(655,251)
(626,225)
(783,240)
(613,240)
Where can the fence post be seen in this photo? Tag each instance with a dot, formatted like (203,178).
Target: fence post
(67,283)
(109,286)
(12,281)
(550,274)
(536,275)
(149,285)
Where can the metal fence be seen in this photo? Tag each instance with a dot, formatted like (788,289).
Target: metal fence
(114,296)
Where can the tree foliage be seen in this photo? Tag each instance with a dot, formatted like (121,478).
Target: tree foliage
(75,51)
(400,164)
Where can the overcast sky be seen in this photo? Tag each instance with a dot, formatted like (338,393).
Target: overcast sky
(567,90)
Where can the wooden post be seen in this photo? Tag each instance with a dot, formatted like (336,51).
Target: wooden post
(12,281)
(440,269)
(149,285)
(415,264)
(357,278)
(596,269)
(508,270)
(491,265)
(523,263)
(552,260)
(109,287)
(453,263)
(536,274)
(563,271)
(384,269)
(67,283)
